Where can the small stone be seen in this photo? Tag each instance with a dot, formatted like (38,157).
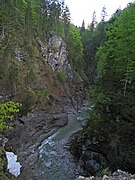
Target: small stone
(92,178)
(105,177)
(33,151)
(1,97)
(80,178)
(125,178)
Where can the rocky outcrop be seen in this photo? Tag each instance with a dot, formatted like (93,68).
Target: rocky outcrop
(29,131)
(32,72)
(45,99)
(102,147)
(55,54)
(88,153)
(118,175)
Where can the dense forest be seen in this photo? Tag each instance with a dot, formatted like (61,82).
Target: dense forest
(26,21)
(102,56)
(111,54)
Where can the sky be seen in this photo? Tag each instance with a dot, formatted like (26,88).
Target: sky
(83,9)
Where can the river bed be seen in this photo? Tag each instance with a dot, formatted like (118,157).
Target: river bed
(55,161)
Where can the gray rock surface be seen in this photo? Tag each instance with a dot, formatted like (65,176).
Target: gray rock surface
(57,56)
(118,175)
(29,131)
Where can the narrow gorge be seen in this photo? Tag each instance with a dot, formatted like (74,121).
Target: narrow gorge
(67,93)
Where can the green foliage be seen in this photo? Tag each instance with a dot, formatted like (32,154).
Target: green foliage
(2,159)
(31,17)
(96,96)
(4,176)
(91,40)
(42,94)
(111,120)
(116,56)
(104,171)
(61,75)
(7,111)
(21,23)
(75,49)
(94,122)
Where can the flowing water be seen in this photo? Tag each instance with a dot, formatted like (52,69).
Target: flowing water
(55,161)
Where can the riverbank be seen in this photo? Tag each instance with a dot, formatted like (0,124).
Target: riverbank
(55,161)
(29,132)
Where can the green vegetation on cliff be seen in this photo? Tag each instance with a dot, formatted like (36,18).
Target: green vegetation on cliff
(104,51)
(7,111)
(26,28)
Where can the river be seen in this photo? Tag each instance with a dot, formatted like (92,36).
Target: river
(55,161)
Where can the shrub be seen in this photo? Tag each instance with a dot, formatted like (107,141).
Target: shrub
(7,111)
(61,75)
(104,171)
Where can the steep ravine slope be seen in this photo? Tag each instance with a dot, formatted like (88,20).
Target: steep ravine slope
(27,136)
(33,75)
(42,83)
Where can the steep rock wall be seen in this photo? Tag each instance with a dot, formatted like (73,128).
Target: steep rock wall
(30,73)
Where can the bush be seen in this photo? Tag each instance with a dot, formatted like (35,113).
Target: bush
(7,111)
(61,75)
(104,171)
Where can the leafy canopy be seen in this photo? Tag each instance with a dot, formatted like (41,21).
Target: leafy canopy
(7,111)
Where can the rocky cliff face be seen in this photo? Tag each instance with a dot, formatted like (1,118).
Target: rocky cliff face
(34,75)
(56,55)
(38,80)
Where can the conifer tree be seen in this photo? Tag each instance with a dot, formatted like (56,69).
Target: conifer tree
(83,26)
(103,14)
